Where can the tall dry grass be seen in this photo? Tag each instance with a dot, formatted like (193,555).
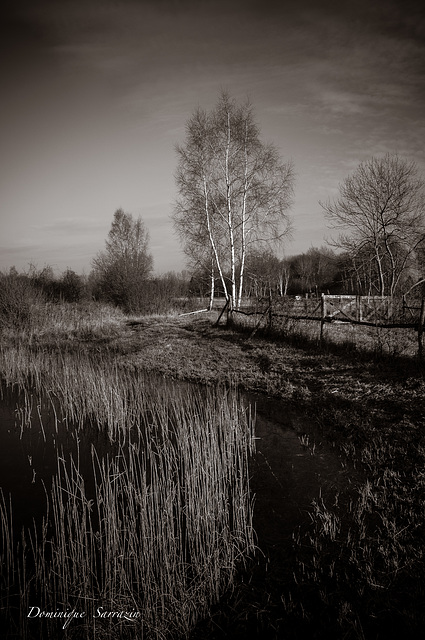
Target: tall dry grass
(160,522)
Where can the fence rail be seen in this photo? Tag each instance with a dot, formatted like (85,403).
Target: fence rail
(372,311)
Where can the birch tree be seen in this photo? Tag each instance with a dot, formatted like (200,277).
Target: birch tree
(380,212)
(234,191)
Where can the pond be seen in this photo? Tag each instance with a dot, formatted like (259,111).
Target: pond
(175,498)
(32,438)
(142,513)
(291,468)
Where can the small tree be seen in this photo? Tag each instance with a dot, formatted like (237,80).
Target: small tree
(122,269)
(44,280)
(70,286)
(381,212)
(234,192)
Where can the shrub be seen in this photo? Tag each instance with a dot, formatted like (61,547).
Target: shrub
(18,300)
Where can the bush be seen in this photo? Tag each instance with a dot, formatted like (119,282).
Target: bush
(18,300)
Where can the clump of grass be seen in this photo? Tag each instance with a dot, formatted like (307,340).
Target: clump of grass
(361,560)
(85,321)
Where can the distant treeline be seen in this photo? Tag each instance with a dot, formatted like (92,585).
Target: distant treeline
(319,270)
(20,291)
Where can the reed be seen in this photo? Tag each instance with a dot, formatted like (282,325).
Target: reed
(161,522)
(361,560)
(57,323)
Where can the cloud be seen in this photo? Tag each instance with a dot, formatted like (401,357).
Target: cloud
(341,102)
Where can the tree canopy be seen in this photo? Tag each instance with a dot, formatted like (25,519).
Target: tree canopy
(380,211)
(122,269)
(234,192)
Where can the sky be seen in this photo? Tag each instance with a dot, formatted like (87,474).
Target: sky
(95,94)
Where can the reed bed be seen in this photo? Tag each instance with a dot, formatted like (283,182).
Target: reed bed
(360,565)
(46,322)
(87,387)
(158,525)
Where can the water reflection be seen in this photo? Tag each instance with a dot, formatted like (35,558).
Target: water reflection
(285,475)
(32,438)
(163,524)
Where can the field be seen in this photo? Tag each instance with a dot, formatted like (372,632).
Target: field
(354,568)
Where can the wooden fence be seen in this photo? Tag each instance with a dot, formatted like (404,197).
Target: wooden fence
(373,311)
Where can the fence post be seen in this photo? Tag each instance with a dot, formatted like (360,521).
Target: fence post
(421,328)
(222,311)
(322,316)
(254,331)
(270,313)
(359,308)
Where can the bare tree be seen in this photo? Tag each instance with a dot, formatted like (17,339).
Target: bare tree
(284,276)
(234,191)
(200,257)
(381,213)
(262,273)
(122,269)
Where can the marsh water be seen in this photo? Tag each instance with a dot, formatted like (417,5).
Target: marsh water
(33,437)
(287,471)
